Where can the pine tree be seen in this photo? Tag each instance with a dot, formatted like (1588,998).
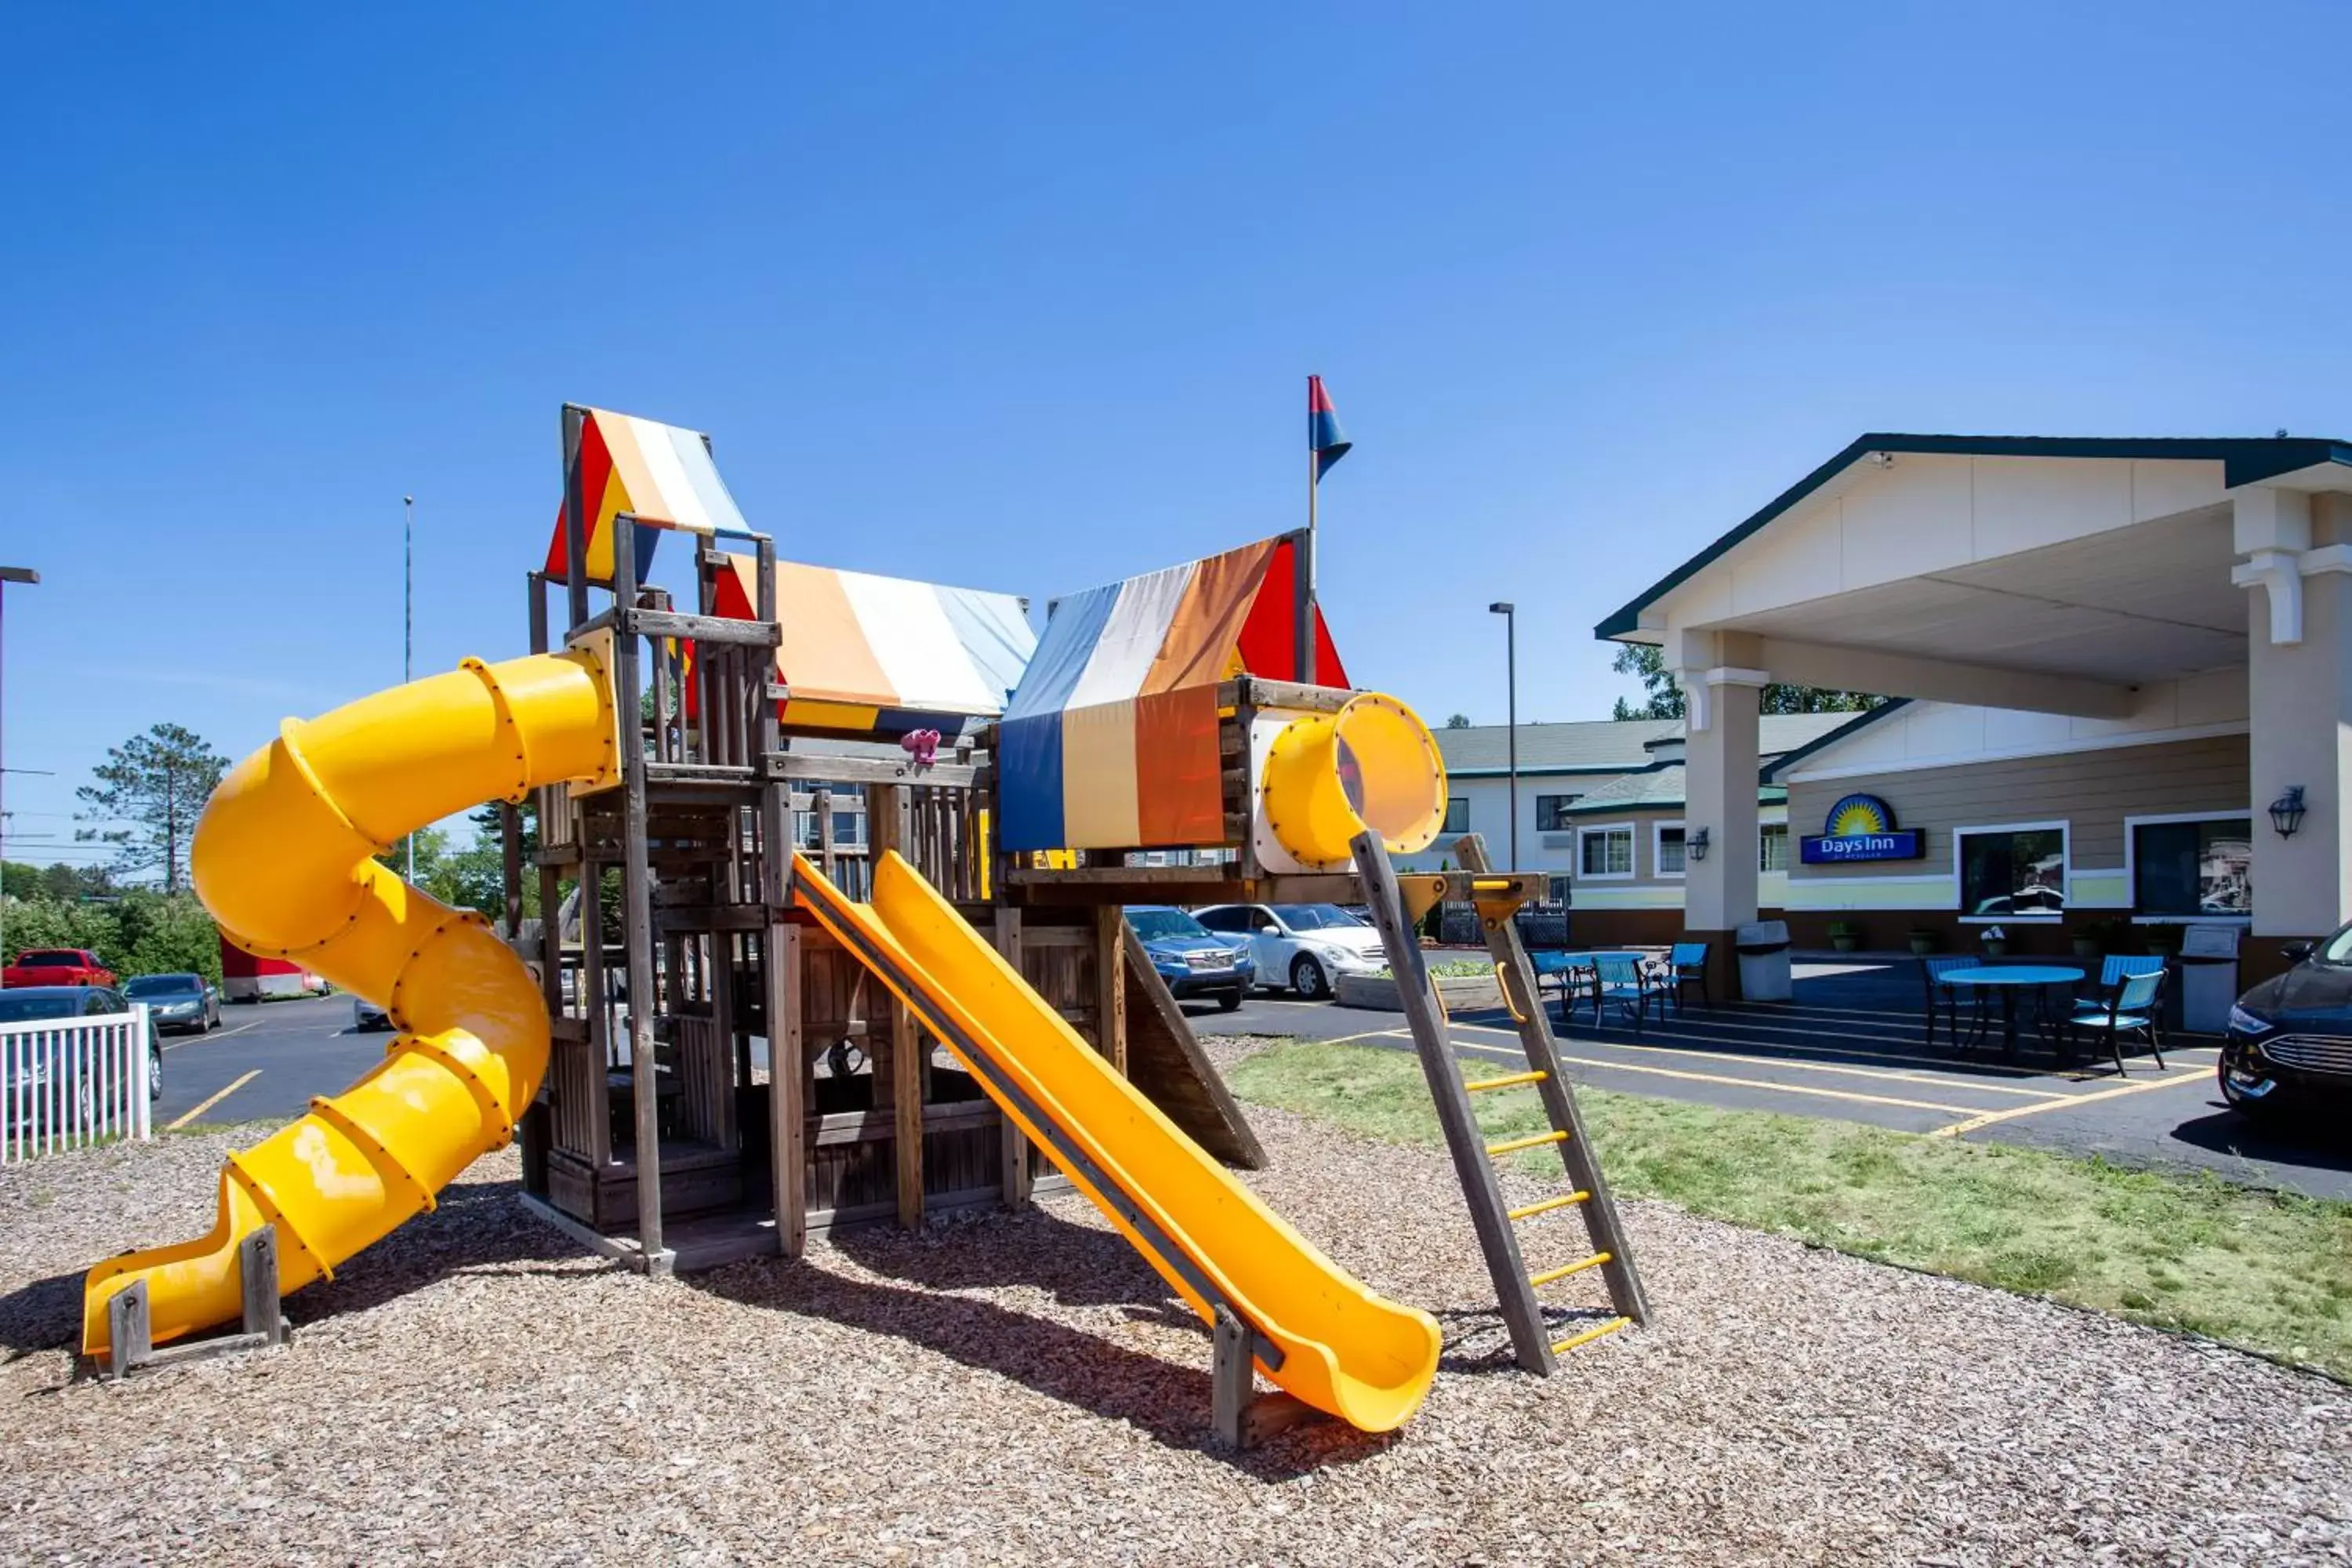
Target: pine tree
(157,784)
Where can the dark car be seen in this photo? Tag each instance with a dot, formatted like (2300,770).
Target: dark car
(30,1004)
(1192,959)
(2290,1037)
(177,1001)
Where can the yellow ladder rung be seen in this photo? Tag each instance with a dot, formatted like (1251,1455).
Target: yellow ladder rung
(1565,1269)
(1548,1205)
(1588,1335)
(1508,1080)
(1512,1145)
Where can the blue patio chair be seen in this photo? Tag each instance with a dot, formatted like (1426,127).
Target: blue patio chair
(1685,965)
(2117,968)
(1620,982)
(1557,970)
(2130,1008)
(1948,997)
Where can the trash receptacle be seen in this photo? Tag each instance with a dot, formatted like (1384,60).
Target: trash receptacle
(1763,961)
(2208,977)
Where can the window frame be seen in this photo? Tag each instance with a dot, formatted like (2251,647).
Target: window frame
(1450,802)
(1598,829)
(2132,825)
(1766,832)
(2063,828)
(1563,823)
(1658,872)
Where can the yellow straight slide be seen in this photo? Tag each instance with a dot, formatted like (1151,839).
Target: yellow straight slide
(1322,1335)
(283,856)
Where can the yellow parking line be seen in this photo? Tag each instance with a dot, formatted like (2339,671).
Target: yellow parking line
(215,1099)
(1949,1079)
(1766,1084)
(2061,1101)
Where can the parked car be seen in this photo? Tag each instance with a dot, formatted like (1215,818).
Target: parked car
(1305,946)
(177,1001)
(2290,1038)
(29,1004)
(1192,962)
(367,1015)
(56,966)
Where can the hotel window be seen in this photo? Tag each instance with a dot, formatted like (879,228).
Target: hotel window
(1457,815)
(2193,867)
(1668,849)
(2009,872)
(1605,852)
(1772,847)
(1551,812)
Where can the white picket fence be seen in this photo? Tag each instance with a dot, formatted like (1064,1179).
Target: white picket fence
(66,1082)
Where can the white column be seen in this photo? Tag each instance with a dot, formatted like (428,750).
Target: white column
(2296,557)
(1720,763)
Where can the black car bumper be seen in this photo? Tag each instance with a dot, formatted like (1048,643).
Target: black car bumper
(2257,1067)
(1207,981)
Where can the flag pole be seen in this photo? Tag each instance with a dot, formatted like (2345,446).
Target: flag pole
(1306,595)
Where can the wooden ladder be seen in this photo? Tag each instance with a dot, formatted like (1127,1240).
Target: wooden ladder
(1397,904)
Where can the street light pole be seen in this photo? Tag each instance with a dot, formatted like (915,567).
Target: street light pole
(29,577)
(1510,615)
(408,619)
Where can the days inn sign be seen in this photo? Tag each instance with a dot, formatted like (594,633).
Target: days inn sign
(1860,828)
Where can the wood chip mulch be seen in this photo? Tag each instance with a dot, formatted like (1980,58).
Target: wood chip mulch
(1021,1388)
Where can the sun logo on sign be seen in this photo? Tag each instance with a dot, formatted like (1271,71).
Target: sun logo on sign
(1860,813)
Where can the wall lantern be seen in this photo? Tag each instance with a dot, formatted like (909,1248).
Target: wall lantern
(1698,845)
(2286,812)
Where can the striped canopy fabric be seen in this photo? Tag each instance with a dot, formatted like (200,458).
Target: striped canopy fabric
(662,474)
(1111,740)
(884,656)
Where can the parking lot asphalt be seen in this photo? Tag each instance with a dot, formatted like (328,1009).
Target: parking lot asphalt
(1849,1047)
(265,1060)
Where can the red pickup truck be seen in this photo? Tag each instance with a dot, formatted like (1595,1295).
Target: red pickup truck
(56,966)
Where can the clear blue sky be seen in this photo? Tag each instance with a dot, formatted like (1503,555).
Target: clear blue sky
(1022,297)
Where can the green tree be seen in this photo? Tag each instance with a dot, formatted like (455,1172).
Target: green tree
(1458,720)
(157,784)
(18,880)
(164,933)
(1662,699)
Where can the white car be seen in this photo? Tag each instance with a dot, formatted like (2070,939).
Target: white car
(1305,946)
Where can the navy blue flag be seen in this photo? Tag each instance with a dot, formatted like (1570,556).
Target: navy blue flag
(1324,437)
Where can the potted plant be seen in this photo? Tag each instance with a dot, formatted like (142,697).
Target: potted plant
(2096,938)
(2163,940)
(1844,935)
(1996,943)
(1925,939)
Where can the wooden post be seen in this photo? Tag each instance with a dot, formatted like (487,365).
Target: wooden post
(788,1105)
(1015,1143)
(888,828)
(636,900)
(575,522)
(1111,985)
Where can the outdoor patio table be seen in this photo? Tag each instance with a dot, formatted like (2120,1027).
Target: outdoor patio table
(2009,979)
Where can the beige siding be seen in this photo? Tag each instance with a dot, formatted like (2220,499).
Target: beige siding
(2090,792)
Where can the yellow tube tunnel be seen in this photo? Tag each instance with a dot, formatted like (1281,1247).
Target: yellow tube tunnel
(1330,776)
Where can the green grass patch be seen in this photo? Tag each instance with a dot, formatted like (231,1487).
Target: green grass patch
(2270,1272)
(1451,969)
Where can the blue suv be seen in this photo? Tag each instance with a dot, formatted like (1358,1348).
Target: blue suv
(1193,960)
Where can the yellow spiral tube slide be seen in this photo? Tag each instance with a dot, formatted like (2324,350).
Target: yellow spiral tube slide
(283,857)
(1328,776)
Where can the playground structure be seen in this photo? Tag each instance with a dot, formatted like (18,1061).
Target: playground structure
(871,831)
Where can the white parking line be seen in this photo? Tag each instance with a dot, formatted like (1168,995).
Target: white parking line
(207,1039)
